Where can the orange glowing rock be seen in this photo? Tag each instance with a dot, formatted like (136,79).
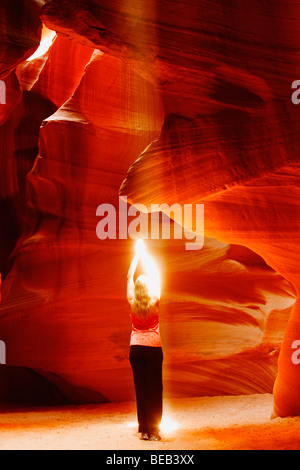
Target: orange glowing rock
(185,104)
(47,75)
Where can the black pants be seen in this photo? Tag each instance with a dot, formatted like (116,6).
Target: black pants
(146,363)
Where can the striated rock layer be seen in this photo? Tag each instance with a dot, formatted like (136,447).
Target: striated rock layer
(173,102)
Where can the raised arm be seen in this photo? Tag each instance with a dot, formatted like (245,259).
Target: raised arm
(130,281)
(152,272)
(150,269)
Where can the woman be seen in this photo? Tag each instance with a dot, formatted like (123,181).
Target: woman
(146,356)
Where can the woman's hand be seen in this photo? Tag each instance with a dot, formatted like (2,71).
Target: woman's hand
(150,268)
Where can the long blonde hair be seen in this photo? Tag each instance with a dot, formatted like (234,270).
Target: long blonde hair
(143,304)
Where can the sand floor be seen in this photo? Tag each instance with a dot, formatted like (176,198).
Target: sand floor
(203,423)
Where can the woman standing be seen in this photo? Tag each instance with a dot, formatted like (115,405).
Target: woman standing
(146,355)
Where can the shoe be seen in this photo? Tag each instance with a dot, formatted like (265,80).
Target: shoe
(144,436)
(155,437)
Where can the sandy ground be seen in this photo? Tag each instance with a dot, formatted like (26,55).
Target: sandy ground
(203,423)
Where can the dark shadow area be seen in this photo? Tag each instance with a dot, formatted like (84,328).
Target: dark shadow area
(22,386)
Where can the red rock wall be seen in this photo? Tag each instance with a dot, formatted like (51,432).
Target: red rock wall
(201,90)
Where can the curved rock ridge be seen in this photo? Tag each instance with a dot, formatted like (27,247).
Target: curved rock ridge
(20,35)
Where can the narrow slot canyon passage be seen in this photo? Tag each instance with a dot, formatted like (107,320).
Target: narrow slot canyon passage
(170,121)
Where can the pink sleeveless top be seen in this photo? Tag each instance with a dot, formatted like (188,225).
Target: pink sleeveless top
(145,331)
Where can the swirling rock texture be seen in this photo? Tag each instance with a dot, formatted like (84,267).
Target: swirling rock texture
(166,102)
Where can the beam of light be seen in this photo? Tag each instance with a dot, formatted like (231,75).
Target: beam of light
(132,424)
(150,268)
(47,40)
(167,425)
